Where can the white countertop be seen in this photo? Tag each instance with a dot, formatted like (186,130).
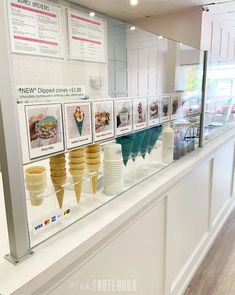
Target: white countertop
(62,249)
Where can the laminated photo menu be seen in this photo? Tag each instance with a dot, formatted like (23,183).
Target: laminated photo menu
(44,129)
(123,116)
(175,104)
(153,111)
(139,113)
(165,108)
(103,120)
(78,124)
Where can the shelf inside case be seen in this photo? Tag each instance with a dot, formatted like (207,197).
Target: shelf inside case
(47,218)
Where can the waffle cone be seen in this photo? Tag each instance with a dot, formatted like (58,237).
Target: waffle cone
(58,173)
(59,195)
(58,166)
(77,187)
(57,159)
(60,180)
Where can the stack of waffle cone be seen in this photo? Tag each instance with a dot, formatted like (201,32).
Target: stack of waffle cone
(58,176)
(77,163)
(93,163)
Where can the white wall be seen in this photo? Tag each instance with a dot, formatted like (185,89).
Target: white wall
(183,26)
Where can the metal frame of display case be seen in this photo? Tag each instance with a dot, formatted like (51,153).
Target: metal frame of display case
(10,151)
(10,148)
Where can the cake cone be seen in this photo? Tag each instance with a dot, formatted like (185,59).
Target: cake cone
(59,195)
(35,201)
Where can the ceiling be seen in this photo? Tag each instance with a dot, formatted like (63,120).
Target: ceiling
(223,9)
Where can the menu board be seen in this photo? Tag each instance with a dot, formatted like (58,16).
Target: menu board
(78,124)
(86,37)
(153,111)
(44,129)
(102,120)
(35,28)
(123,116)
(139,113)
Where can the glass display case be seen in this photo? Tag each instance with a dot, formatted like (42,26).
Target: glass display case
(102,105)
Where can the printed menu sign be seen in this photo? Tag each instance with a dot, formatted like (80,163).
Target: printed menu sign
(86,37)
(26,93)
(35,28)
(78,124)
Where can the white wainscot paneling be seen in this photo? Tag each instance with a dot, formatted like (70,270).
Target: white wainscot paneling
(137,253)
(187,225)
(222,177)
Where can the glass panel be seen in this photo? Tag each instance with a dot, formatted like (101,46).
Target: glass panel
(220,95)
(161,78)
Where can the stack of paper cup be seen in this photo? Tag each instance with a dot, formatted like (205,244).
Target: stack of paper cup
(36,183)
(113,169)
(93,163)
(77,164)
(58,176)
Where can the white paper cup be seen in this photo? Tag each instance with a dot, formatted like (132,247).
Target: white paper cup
(112,152)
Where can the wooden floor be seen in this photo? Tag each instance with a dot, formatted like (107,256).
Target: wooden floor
(216,275)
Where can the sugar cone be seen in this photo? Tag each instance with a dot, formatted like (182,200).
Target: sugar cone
(59,195)
(77,187)
(94,182)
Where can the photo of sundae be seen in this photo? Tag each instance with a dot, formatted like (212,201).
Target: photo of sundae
(47,127)
(44,129)
(153,110)
(79,119)
(175,105)
(165,108)
(140,113)
(102,119)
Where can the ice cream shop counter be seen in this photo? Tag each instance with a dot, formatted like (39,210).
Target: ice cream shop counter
(148,240)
